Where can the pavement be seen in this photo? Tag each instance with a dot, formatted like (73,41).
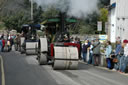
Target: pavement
(0,73)
(20,69)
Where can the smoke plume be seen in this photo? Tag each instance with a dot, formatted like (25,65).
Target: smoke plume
(76,8)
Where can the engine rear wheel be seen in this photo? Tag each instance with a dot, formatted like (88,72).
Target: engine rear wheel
(42,59)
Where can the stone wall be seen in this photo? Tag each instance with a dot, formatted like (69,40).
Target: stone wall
(83,37)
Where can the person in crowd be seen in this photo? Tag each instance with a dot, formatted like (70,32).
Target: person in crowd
(71,39)
(17,42)
(13,36)
(89,43)
(84,50)
(108,52)
(124,58)
(2,36)
(122,55)
(118,39)
(75,40)
(66,39)
(1,44)
(11,42)
(118,54)
(8,45)
(79,42)
(9,36)
(118,48)
(96,52)
(91,59)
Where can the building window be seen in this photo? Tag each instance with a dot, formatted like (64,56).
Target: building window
(123,29)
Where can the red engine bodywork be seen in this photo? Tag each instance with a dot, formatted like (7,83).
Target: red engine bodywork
(64,44)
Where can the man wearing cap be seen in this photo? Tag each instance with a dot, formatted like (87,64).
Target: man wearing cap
(124,60)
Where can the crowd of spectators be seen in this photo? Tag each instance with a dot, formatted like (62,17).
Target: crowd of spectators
(116,58)
(6,42)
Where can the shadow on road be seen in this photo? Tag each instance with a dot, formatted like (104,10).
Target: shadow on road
(84,66)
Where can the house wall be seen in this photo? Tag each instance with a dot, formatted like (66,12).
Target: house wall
(122,19)
(119,20)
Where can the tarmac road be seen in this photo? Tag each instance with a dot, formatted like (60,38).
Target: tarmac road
(24,70)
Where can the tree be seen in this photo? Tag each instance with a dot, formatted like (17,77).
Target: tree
(103,15)
(50,12)
(89,24)
(15,21)
(103,3)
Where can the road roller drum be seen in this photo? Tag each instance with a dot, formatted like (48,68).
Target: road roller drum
(65,58)
(42,51)
(43,45)
(31,48)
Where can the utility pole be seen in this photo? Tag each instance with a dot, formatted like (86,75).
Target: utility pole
(32,10)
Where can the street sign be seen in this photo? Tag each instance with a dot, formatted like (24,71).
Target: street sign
(103,38)
(99,26)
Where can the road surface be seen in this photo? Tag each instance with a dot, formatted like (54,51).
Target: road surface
(20,69)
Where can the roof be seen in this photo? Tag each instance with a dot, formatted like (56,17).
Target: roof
(56,20)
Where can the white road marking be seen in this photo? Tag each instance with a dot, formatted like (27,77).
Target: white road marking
(2,71)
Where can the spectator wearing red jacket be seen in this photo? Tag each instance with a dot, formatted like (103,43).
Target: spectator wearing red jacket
(3,44)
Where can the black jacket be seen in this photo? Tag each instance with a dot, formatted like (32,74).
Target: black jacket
(85,48)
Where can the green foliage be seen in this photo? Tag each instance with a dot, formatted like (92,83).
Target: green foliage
(89,25)
(37,14)
(103,15)
(103,3)
(2,26)
(86,29)
(27,3)
(50,12)
(15,21)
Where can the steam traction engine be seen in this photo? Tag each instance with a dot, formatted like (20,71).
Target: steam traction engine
(56,46)
(29,39)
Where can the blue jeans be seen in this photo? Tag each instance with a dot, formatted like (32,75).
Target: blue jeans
(121,62)
(91,59)
(124,64)
(117,65)
(84,56)
(0,48)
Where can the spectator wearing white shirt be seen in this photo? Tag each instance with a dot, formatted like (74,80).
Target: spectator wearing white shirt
(91,59)
(124,59)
